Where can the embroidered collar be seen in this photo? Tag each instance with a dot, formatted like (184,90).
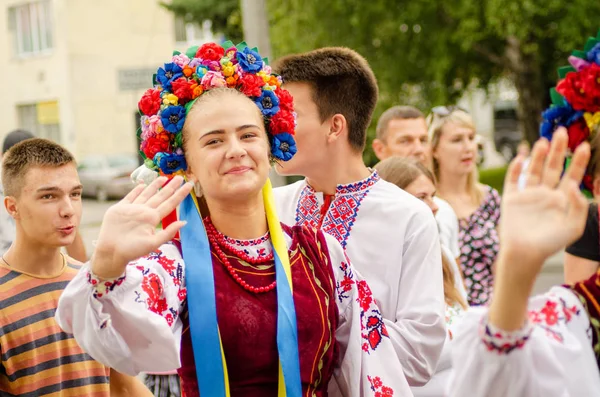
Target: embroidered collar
(246,243)
(354,187)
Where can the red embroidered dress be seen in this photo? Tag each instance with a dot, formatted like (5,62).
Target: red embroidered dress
(248,321)
(341,335)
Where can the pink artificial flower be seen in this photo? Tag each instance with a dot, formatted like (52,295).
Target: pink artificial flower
(215,66)
(213,80)
(151,126)
(181,60)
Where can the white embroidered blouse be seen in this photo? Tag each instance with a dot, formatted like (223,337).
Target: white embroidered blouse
(551,356)
(134,329)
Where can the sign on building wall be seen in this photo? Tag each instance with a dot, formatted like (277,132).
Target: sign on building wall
(135,79)
(47,113)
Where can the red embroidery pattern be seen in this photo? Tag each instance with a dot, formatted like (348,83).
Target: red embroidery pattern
(246,243)
(552,314)
(340,217)
(152,293)
(503,342)
(372,327)
(103,287)
(378,387)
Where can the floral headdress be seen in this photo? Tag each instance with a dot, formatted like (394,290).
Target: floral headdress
(576,100)
(180,82)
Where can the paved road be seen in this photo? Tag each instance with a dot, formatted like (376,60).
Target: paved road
(93,212)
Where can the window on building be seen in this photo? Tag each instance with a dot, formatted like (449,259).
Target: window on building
(41,119)
(31,25)
(190,33)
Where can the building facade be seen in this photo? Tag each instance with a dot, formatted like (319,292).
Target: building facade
(75,69)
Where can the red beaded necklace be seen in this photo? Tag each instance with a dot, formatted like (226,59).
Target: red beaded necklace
(217,240)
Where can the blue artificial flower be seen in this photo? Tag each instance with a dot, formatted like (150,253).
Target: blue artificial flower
(249,60)
(556,116)
(173,118)
(283,146)
(593,55)
(168,74)
(268,103)
(201,71)
(169,162)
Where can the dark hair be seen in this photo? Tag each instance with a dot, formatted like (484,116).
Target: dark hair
(342,82)
(14,137)
(35,152)
(396,113)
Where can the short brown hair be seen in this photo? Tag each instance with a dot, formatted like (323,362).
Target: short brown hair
(30,153)
(396,113)
(342,82)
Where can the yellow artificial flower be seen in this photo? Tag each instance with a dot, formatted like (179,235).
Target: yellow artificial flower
(592,120)
(170,99)
(228,69)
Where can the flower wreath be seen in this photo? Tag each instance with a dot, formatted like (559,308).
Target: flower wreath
(576,100)
(179,83)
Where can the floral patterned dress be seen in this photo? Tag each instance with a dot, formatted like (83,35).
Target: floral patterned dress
(478,241)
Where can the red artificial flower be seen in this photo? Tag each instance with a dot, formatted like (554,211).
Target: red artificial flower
(184,89)
(156,144)
(251,85)
(283,121)
(150,102)
(591,87)
(578,132)
(588,183)
(210,52)
(286,101)
(571,87)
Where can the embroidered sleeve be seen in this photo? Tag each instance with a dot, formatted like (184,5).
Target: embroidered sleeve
(369,365)
(130,323)
(500,341)
(550,356)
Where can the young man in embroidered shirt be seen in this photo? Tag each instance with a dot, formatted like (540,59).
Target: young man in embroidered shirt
(402,131)
(43,196)
(389,235)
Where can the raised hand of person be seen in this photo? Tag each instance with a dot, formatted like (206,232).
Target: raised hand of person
(538,220)
(128,229)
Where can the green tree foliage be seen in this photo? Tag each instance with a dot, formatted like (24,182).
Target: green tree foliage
(427,52)
(225,15)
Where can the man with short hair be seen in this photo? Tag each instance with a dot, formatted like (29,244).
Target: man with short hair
(402,131)
(43,196)
(390,236)
(7,224)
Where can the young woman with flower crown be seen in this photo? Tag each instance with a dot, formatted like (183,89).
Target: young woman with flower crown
(251,307)
(548,345)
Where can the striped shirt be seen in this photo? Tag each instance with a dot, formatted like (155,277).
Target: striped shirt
(38,358)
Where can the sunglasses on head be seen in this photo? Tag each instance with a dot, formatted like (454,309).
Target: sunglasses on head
(444,111)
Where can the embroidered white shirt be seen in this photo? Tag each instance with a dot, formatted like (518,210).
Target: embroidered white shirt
(392,240)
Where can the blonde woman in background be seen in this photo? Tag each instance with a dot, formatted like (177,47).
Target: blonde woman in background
(413,177)
(477,206)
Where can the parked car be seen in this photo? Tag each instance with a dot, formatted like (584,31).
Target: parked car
(105,177)
(507,132)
